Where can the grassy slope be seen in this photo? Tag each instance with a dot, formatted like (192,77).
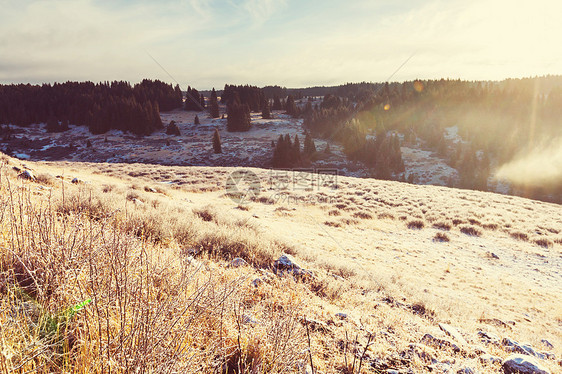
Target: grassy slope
(391,280)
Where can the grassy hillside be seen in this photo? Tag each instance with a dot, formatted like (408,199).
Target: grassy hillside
(126,268)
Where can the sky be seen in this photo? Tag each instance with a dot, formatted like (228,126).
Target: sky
(291,43)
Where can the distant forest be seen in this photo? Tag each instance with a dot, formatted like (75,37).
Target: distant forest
(101,107)
(496,120)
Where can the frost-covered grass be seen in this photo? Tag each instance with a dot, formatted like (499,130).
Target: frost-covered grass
(142,222)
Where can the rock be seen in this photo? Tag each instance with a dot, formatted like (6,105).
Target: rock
(497,322)
(521,348)
(137,201)
(392,371)
(466,370)
(237,262)
(76,181)
(287,263)
(547,344)
(488,359)
(257,282)
(422,351)
(522,364)
(27,174)
(16,169)
(337,277)
(341,315)
(440,343)
(488,337)
(150,189)
(453,332)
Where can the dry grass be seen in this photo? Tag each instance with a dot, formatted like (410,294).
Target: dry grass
(519,236)
(86,288)
(416,224)
(134,259)
(470,230)
(545,243)
(442,226)
(441,237)
(362,215)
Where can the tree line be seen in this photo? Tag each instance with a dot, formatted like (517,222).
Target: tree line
(100,107)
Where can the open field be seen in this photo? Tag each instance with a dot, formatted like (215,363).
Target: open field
(386,263)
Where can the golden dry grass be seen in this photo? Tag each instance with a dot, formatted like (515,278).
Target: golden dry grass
(126,240)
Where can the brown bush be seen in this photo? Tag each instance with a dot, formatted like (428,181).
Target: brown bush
(442,226)
(416,224)
(441,237)
(470,230)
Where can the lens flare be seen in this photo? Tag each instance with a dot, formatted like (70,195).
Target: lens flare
(387,107)
(418,86)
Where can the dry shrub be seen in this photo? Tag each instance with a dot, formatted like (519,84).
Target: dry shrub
(490,226)
(441,237)
(519,235)
(416,224)
(362,215)
(132,195)
(207,213)
(334,212)
(543,242)
(457,221)
(470,230)
(106,188)
(442,225)
(225,244)
(46,179)
(349,221)
(387,215)
(332,224)
(80,294)
(474,221)
(86,203)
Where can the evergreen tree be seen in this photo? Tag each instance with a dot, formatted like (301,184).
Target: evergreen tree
(173,129)
(214,105)
(309,146)
(277,103)
(238,117)
(291,107)
(196,121)
(265,111)
(217,146)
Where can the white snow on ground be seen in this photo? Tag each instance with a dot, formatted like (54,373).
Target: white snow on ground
(22,156)
(427,167)
(452,133)
(251,148)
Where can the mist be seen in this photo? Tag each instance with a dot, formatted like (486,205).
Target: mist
(541,167)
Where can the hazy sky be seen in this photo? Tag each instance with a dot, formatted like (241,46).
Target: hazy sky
(293,43)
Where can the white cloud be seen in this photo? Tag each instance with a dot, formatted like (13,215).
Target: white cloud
(208,43)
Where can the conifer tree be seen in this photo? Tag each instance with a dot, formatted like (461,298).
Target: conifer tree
(277,103)
(265,111)
(214,105)
(196,120)
(217,146)
(309,146)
